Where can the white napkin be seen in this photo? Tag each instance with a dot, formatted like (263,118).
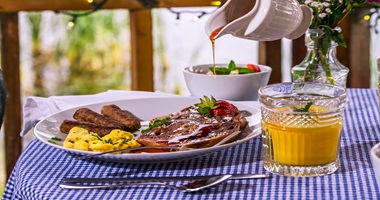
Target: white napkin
(38,108)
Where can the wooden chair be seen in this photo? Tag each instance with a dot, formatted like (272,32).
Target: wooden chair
(356,56)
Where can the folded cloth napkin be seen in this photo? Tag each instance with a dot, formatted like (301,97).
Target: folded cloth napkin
(38,108)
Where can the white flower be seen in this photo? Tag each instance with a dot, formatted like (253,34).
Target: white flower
(307,2)
(326,4)
(316,4)
(328,10)
(322,15)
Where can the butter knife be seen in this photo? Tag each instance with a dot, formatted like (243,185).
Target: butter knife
(161,178)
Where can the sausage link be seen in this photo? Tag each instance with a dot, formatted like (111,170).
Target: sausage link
(88,115)
(130,122)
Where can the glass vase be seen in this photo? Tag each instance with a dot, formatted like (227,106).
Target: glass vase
(320,63)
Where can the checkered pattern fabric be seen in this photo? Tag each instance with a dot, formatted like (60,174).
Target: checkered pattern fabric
(41,168)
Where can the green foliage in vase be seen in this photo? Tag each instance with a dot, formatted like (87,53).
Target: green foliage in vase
(327,14)
(325,33)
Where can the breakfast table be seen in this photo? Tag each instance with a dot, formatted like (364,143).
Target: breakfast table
(41,167)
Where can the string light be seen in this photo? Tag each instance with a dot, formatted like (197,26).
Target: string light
(75,15)
(375,13)
(216,3)
(200,13)
(196,18)
(177,18)
(72,22)
(96,6)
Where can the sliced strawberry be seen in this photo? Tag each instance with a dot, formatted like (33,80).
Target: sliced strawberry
(219,111)
(232,109)
(216,107)
(225,108)
(222,103)
(253,67)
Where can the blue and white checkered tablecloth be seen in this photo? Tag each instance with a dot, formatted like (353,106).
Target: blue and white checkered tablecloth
(41,168)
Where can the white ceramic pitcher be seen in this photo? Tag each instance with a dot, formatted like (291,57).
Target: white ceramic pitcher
(260,20)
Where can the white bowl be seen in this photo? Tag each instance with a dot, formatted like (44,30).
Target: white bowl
(375,158)
(242,87)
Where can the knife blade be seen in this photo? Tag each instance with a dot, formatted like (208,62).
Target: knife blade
(161,178)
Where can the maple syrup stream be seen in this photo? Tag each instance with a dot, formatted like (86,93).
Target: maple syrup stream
(212,39)
(248,8)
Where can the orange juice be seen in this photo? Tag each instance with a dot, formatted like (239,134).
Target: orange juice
(304,146)
(301,128)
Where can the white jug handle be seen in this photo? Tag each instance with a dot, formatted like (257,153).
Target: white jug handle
(307,17)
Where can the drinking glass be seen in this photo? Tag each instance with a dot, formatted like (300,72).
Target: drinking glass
(301,127)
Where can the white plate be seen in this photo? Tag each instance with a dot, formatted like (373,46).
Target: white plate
(145,109)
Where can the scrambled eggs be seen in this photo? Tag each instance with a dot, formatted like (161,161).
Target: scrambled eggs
(79,138)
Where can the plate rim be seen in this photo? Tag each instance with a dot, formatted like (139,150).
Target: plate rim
(127,157)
